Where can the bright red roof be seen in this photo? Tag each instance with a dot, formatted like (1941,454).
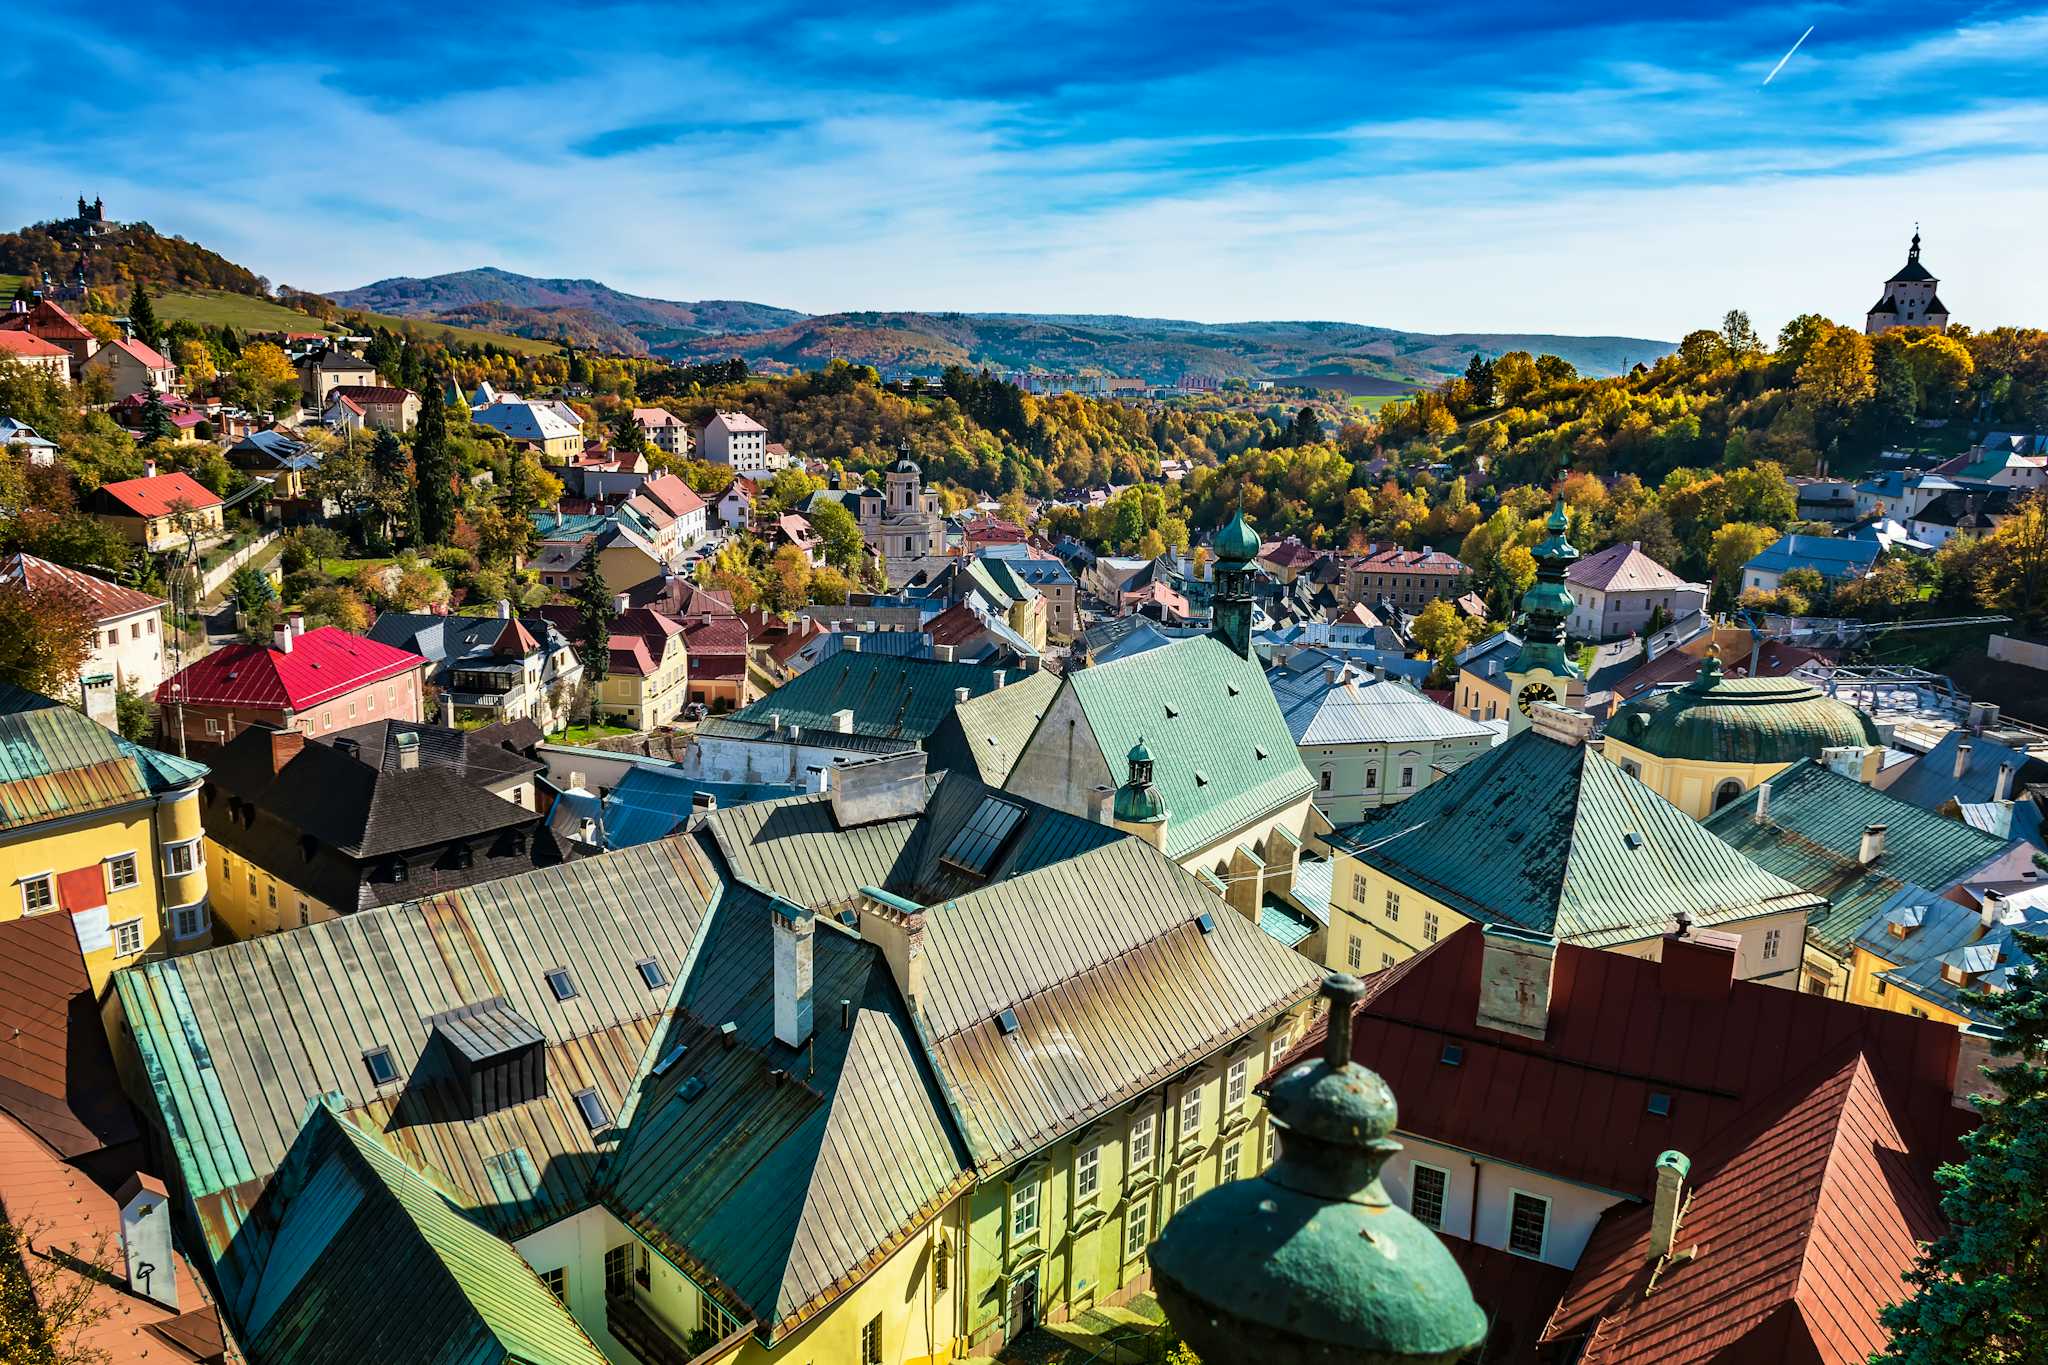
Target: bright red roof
(46,320)
(672,493)
(323,664)
(148,358)
(106,600)
(30,345)
(162,495)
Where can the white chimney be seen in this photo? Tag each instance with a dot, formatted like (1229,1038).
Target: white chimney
(851,644)
(1514,980)
(946,654)
(504,609)
(1987,913)
(1001,677)
(1763,803)
(408,743)
(447,711)
(297,617)
(842,721)
(281,637)
(146,1239)
(2003,790)
(1872,847)
(621,604)
(1963,757)
(149,468)
(1667,1206)
(793,928)
(960,694)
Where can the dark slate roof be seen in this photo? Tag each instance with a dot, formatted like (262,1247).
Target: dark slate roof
(983,735)
(1537,833)
(367,1260)
(774,1191)
(1815,833)
(891,698)
(1930,781)
(56,1075)
(449,642)
(1920,933)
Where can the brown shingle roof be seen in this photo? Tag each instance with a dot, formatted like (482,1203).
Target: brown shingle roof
(56,1075)
(106,600)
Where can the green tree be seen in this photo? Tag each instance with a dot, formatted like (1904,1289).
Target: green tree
(134,715)
(841,534)
(1732,546)
(249,589)
(156,419)
(1739,334)
(434,469)
(1980,1289)
(2012,572)
(142,317)
(45,638)
(596,611)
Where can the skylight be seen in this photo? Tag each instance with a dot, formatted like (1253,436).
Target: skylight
(1206,922)
(975,847)
(560,983)
(670,1058)
(1660,1104)
(1453,1055)
(383,1071)
(1007,1022)
(651,973)
(592,1108)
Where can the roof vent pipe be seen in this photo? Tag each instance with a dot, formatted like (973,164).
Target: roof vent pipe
(1962,758)
(1763,803)
(845,1015)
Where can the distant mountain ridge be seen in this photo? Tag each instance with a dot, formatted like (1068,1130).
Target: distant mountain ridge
(1160,350)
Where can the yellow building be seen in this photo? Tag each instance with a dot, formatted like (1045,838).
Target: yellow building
(1922,953)
(1703,745)
(160,511)
(100,829)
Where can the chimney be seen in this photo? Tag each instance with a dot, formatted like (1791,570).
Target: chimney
(408,742)
(961,694)
(1963,758)
(1001,677)
(851,644)
(1872,847)
(842,721)
(284,747)
(1987,913)
(281,637)
(878,789)
(1560,723)
(2003,790)
(793,928)
(947,654)
(1763,803)
(775,723)
(703,801)
(1514,980)
(146,1239)
(1973,1055)
(896,926)
(621,604)
(1102,805)
(1331,674)
(447,711)
(504,609)
(1666,1208)
(297,617)
(1697,964)
(149,468)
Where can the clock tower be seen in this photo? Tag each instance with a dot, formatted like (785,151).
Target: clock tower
(1544,671)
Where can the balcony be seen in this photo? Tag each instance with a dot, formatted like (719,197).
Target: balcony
(637,1330)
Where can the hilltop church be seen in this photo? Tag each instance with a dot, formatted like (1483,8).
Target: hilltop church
(1909,299)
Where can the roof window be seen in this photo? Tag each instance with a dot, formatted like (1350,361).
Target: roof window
(1007,1022)
(1452,1055)
(1206,922)
(592,1108)
(1660,1104)
(651,973)
(561,984)
(383,1071)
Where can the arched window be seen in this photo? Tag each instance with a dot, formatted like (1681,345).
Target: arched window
(1726,792)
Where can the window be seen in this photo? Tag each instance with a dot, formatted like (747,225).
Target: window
(1354,953)
(252,886)
(1191,1112)
(122,872)
(940,1253)
(1372,779)
(128,938)
(1137,1227)
(1234,1083)
(1632,768)
(560,984)
(1087,1174)
(1726,792)
(1358,888)
(1426,1188)
(383,1071)
(557,1282)
(1429,926)
(1325,779)
(1394,906)
(271,890)
(190,921)
(1184,1190)
(38,893)
(592,1108)
(615,1271)
(1660,1104)
(1024,1210)
(1528,1223)
(643,1267)
(1233,1158)
(1275,1050)
(1770,945)
(1386,961)
(651,973)
(180,859)
(1141,1142)
(1407,777)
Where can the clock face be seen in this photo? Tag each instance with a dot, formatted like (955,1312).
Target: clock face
(1532,693)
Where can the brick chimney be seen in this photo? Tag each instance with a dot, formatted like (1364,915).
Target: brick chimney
(297,617)
(1963,758)
(152,1267)
(1697,964)
(896,926)
(1514,980)
(284,747)
(1667,1207)
(793,929)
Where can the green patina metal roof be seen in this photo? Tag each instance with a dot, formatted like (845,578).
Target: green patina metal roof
(1237,542)
(1741,720)
(56,762)
(1815,834)
(1223,755)
(1554,838)
(365,1259)
(983,735)
(890,697)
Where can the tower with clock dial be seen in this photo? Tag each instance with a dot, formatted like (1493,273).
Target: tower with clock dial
(1544,671)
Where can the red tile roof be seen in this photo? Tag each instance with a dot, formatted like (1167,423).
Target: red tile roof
(148,358)
(372,395)
(46,320)
(56,1075)
(715,635)
(673,494)
(29,345)
(323,664)
(160,496)
(1286,553)
(1805,1217)
(956,625)
(105,600)
(1396,560)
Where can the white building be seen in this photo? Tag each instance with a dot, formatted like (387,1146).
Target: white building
(736,440)
(664,430)
(1909,299)
(1616,593)
(127,638)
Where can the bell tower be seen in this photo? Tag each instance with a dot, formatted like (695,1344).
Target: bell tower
(1230,612)
(1544,670)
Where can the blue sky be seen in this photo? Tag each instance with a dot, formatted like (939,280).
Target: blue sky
(1462,165)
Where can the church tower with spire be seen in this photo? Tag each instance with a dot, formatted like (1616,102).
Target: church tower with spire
(1230,612)
(1909,299)
(1544,671)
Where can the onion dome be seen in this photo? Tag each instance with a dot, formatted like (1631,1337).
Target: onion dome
(1312,1261)
(1138,801)
(1715,718)
(1237,542)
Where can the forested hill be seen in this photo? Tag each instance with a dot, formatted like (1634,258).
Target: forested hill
(117,254)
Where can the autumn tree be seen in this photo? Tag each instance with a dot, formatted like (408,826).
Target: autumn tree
(1837,377)
(49,1302)
(1440,631)
(46,636)
(2012,573)
(1732,546)
(264,377)
(786,587)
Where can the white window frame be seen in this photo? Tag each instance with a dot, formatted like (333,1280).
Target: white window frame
(1143,1147)
(1508,1237)
(1023,1206)
(134,863)
(1190,1119)
(1354,953)
(1271,1147)
(1771,938)
(191,849)
(1185,1188)
(1431,926)
(1087,1173)
(202,919)
(1137,1226)
(126,926)
(1231,1165)
(1236,1084)
(1443,1195)
(48,881)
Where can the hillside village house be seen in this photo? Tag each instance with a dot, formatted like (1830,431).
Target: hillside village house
(160,511)
(314,681)
(735,440)
(1923,952)
(550,429)
(49,322)
(286,461)
(1482,690)
(665,431)
(1837,559)
(1053,580)
(26,348)
(647,683)
(132,368)
(100,830)
(330,368)
(352,407)
(1409,579)
(127,637)
(1621,592)
(490,669)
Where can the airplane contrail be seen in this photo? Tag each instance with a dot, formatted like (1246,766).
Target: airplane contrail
(1788,56)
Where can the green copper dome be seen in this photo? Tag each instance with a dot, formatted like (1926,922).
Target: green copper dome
(1138,800)
(1715,718)
(1237,542)
(1312,1261)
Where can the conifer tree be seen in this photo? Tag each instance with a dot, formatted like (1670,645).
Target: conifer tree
(434,467)
(595,613)
(142,317)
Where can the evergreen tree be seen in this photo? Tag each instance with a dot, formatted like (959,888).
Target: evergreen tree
(142,317)
(1306,429)
(394,472)
(434,467)
(626,432)
(595,613)
(1479,374)
(156,419)
(1981,1288)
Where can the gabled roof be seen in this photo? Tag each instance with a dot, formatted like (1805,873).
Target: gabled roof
(371,395)
(1832,556)
(674,496)
(160,496)
(1394,559)
(891,698)
(57,1077)
(1931,782)
(1554,838)
(136,351)
(1224,753)
(334,360)
(56,763)
(525,421)
(322,664)
(651,802)
(1622,568)
(47,320)
(29,345)
(1815,833)
(1356,709)
(734,422)
(984,735)
(105,600)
